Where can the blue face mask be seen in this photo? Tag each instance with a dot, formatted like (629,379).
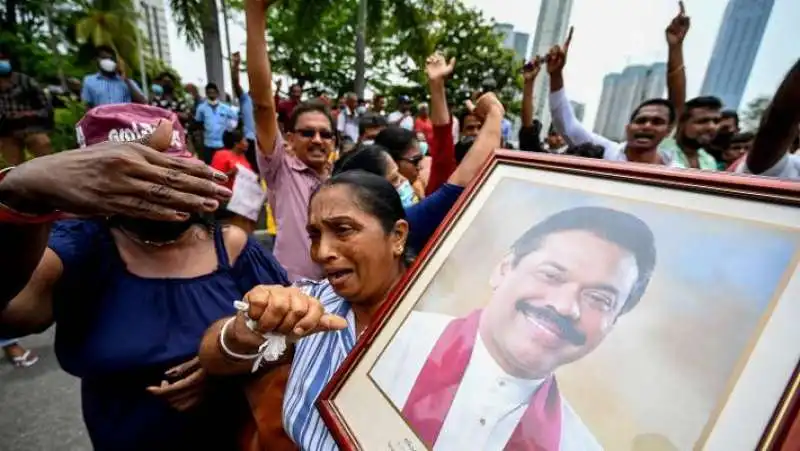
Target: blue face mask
(407,194)
(5,67)
(157,90)
(423,148)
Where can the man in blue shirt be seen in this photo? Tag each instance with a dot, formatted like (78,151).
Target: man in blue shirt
(215,117)
(109,84)
(245,109)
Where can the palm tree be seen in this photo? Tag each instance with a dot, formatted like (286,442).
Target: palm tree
(111,23)
(371,18)
(198,22)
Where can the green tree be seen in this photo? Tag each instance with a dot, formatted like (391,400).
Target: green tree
(751,116)
(111,23)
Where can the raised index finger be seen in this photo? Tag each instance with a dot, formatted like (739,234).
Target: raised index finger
(682,8)
(569,39)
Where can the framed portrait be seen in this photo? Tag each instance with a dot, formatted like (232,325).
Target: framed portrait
(577,305)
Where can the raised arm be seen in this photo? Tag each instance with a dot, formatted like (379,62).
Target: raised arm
(442,149)
(530,72)
(491,110)
(564,119)
(260,74)
(236,64)
(676,71)
(779,126)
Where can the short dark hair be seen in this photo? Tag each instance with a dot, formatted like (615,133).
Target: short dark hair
(743,137)
(623,229)
(656,102)
(167,74)
(586,150)
(232,137)
(370,159)
(731,114)
(213,86)
(370,120)
(396,140)
(104,49)
(462,118)
(312,106)
(702,102)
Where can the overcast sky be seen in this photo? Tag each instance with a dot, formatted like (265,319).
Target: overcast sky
(609,34)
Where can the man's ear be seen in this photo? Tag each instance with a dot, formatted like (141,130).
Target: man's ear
(501,270)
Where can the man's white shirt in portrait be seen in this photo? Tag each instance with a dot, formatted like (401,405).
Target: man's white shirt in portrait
(488,404)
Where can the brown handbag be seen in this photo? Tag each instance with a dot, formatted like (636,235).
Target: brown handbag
(264,429)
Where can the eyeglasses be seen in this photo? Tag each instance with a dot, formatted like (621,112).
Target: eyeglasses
(311,133)
(414,160)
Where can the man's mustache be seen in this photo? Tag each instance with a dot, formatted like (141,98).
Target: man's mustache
(565,325)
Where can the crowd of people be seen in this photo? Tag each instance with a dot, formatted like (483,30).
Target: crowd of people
(125,245)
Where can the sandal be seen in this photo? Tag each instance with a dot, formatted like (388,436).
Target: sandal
(25,360)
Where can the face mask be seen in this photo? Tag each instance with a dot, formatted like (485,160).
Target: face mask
(157,90)
(213,101)
(368,142)
(5,67)
(157,232)
(423,148)
(108,65)
(361,110)
(407,194)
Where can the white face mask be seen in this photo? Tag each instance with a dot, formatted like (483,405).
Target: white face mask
(108,65)
(368,142)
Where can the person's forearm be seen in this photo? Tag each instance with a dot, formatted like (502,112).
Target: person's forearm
(237,87)
(489,139)
(440,115)
(676,77)
(212,358)
(556,82)
(136,95)
(778,125)
(259,73)
(527,103)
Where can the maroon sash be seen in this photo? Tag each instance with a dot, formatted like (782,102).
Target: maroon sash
(435,388)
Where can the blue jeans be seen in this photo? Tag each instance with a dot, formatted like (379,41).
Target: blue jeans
(8,342)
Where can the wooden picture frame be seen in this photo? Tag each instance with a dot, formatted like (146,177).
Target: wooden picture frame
(360,414)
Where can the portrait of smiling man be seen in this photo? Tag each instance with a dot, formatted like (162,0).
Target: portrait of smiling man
(487,380)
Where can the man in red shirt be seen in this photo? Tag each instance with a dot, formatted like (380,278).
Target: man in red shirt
(423,122)
(287,106)
(225,160)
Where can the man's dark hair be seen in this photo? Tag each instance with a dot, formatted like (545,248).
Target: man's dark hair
(702,102)
(370,120)
(656,102)
(586,150)
(396,140)
(104,49)
(212,86)
(623,229)
(370,159)
(167,74)
(462,118)
(731,114)
(743,137)
(312,106)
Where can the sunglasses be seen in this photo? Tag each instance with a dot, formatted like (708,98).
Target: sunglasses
(414,160)
(311,133)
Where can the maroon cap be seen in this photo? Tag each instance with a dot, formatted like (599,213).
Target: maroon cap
(124,122)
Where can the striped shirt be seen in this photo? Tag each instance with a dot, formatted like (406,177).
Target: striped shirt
(99,89)
(316,358)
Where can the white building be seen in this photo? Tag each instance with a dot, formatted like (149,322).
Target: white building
(521,41)
(153,26)
(622,93)
(506,32)
(551,29)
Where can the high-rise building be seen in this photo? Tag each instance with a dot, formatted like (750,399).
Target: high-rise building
(579,109)
(521,41)
(738,40)
(506,32)
(623,92)
(153,26)
(551,29)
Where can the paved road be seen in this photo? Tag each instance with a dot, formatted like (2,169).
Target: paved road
(40,406)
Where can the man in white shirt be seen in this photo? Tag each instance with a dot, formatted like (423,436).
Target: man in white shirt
(402,116)
(347,123)
(775,139)
(650,123)
(486,381)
